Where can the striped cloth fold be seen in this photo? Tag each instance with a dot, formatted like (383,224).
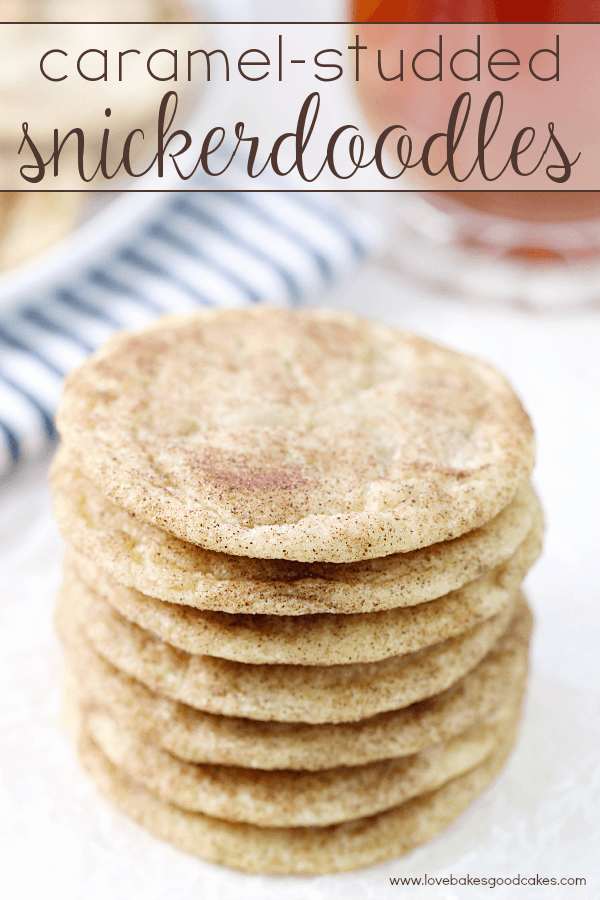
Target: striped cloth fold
(195,250)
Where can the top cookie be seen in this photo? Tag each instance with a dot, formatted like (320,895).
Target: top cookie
(311,435)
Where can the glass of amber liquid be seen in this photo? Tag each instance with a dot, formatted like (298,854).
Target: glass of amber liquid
(529,247)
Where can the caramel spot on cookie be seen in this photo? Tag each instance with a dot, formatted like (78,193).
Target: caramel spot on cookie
(238,475)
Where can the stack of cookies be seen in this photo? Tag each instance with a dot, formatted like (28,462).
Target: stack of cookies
(291,608)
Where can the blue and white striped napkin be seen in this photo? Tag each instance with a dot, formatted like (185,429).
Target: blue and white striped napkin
(194,250)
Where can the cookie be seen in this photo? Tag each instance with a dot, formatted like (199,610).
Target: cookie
(284,798)
(200,737)
(30,222)
(296,851)
(280,693)
(158,564)
(310,435)
(320,639)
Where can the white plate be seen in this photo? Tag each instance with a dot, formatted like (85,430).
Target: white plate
(115,217)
